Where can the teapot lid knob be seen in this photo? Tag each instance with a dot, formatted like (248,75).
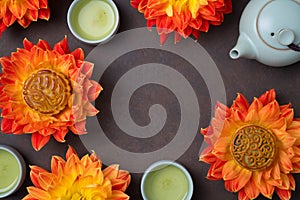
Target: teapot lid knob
(286,37)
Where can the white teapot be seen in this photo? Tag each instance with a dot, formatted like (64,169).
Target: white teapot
(269,32)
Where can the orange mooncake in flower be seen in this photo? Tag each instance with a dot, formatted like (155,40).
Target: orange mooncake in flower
(46,91)
(254,147)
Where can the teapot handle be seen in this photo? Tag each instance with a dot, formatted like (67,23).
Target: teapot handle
(294,47)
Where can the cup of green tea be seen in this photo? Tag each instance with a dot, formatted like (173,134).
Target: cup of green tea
(93,21)
(166,180)
(12,170)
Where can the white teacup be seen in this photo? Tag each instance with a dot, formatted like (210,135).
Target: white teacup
(166,180)
(93,21)
(12,170)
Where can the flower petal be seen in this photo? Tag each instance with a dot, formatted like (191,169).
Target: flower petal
(283,194)
(240,103)
(215,170)
(284,162)
(240,182)
(231,170)
(268,97)
(269,111)
(242,195)
(266,189)
(71,151)
(38,140)
(251,190)
(118,195)
(284,138)
(38,193)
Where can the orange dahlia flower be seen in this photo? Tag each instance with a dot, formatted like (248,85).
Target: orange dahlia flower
(22,11)
(254,147)
(45,91)
(78,178)
(185,17)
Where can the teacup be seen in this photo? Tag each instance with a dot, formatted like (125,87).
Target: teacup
(12,170)
(93,21)
(166,180)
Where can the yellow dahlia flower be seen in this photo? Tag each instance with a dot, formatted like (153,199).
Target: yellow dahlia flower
(185,17)
(77,179)
(254,147)
(45,91)
(22,11)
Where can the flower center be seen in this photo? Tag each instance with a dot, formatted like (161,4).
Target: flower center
(253,147)
(47,91)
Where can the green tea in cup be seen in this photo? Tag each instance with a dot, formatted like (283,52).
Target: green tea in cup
(166,180)
(9,171)
(93,21)
(12,170)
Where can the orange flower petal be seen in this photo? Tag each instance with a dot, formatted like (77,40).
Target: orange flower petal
(62,47)
(284,162)
(222,144)
(257,177)
(9,19)
(252,116)
(268,97)
(283,194)
(29,197)
(118,195)
(45,180)
(59,135)
(207,156)
(256,105)
(79,128)
(275,173)
(242,195)
(38,140)
(71,152)
(2,27)
(215,170)
(34,175)
(57,165)
(231,170)
(43,3)
(270,111)
(239,182)
(266,189)
(284,138)
(32,4)
(292,182)
(240,103)
(111,171)
(251,190)
(95,157)
(287,113)
(17,9)
(277,124)
(38,193)
(44,13)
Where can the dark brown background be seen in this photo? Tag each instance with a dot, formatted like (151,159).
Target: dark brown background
(246,76)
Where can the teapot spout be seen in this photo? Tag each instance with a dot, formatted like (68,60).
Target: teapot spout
(243,48)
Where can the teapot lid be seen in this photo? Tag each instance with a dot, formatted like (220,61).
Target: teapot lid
(278,23)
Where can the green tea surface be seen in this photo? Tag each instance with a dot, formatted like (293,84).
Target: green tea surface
(167,183)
